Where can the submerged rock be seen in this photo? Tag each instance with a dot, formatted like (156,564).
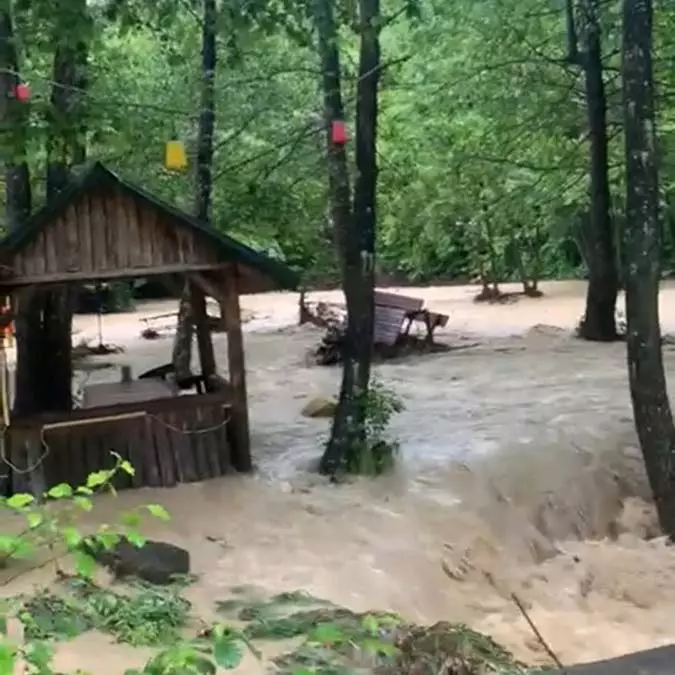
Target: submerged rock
(320,407)
(156,562)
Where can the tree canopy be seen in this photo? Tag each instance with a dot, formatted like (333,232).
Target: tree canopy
(482,130)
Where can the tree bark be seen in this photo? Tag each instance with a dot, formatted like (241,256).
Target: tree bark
(365,188)
(182,343)
(599,322)
(66,146)
(651,407)
(354,225)
(340,199)
(18,198)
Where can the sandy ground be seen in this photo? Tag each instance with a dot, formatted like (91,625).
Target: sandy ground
(518,456)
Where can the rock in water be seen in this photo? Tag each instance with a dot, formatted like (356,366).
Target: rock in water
(320,407)
(156,562)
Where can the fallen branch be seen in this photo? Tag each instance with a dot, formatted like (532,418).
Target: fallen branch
(540,638)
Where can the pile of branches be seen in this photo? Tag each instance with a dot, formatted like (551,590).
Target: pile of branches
(330,349)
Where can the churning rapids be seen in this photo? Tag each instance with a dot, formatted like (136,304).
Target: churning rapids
(518,459)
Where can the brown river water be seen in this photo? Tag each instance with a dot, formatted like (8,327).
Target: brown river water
(518,459)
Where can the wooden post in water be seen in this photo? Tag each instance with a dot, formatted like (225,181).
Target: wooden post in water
(241,455)
(207,358)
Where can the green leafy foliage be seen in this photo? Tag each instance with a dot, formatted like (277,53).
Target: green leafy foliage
(141,616)
(51,522)
(482,144)
(378,451)
(145,617)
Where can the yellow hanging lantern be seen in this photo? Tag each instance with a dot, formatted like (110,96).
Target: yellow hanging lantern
(175,157)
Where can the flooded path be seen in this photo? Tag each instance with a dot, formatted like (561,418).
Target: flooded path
(512,452)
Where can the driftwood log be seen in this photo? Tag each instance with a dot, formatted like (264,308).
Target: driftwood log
(329,350)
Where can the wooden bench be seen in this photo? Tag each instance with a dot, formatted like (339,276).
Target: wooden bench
(395,314)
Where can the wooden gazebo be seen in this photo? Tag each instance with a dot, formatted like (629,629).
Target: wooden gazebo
(103,228)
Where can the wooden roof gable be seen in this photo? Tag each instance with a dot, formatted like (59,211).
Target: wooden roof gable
(102,227)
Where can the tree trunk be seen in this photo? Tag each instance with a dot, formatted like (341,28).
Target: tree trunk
(343,434)
(354,230)
(599,323)
(181,354)
(18,198)
(66,146)
(651,407)
(182,343)
(365,190)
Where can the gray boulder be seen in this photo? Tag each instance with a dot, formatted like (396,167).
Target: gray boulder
(156,562)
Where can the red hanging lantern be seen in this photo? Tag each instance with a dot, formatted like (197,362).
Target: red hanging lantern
(22,92)
(338,132)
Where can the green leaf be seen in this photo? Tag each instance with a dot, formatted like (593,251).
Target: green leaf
(39,655)
(135,538)
(84,490)
(127,467)
(8,544)
(14,547)
(375,646)
(98,478)
(158,511)
(107,539)
(83,503)
(327,634)
(20,500)
(84,564)
(201,665)
(60,491)
(228,652)
(71,537)
(34,519)
(371,624)
(7,658)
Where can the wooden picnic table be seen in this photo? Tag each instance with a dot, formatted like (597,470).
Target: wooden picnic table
(431,320)
(395,314)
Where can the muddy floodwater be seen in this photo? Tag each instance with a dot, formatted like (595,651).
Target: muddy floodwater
(518,459)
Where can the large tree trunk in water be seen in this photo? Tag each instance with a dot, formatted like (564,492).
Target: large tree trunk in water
(13,122)
(343,434)
(599,321)
(65,148)
(182,343)
(365,188)
(354,231)
(651,407)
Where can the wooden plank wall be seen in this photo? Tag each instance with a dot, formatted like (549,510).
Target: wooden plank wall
(110,231)
(157,446)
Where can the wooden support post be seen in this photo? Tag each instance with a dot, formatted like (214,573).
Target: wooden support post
(207,358)
(241,451)
(211,289)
